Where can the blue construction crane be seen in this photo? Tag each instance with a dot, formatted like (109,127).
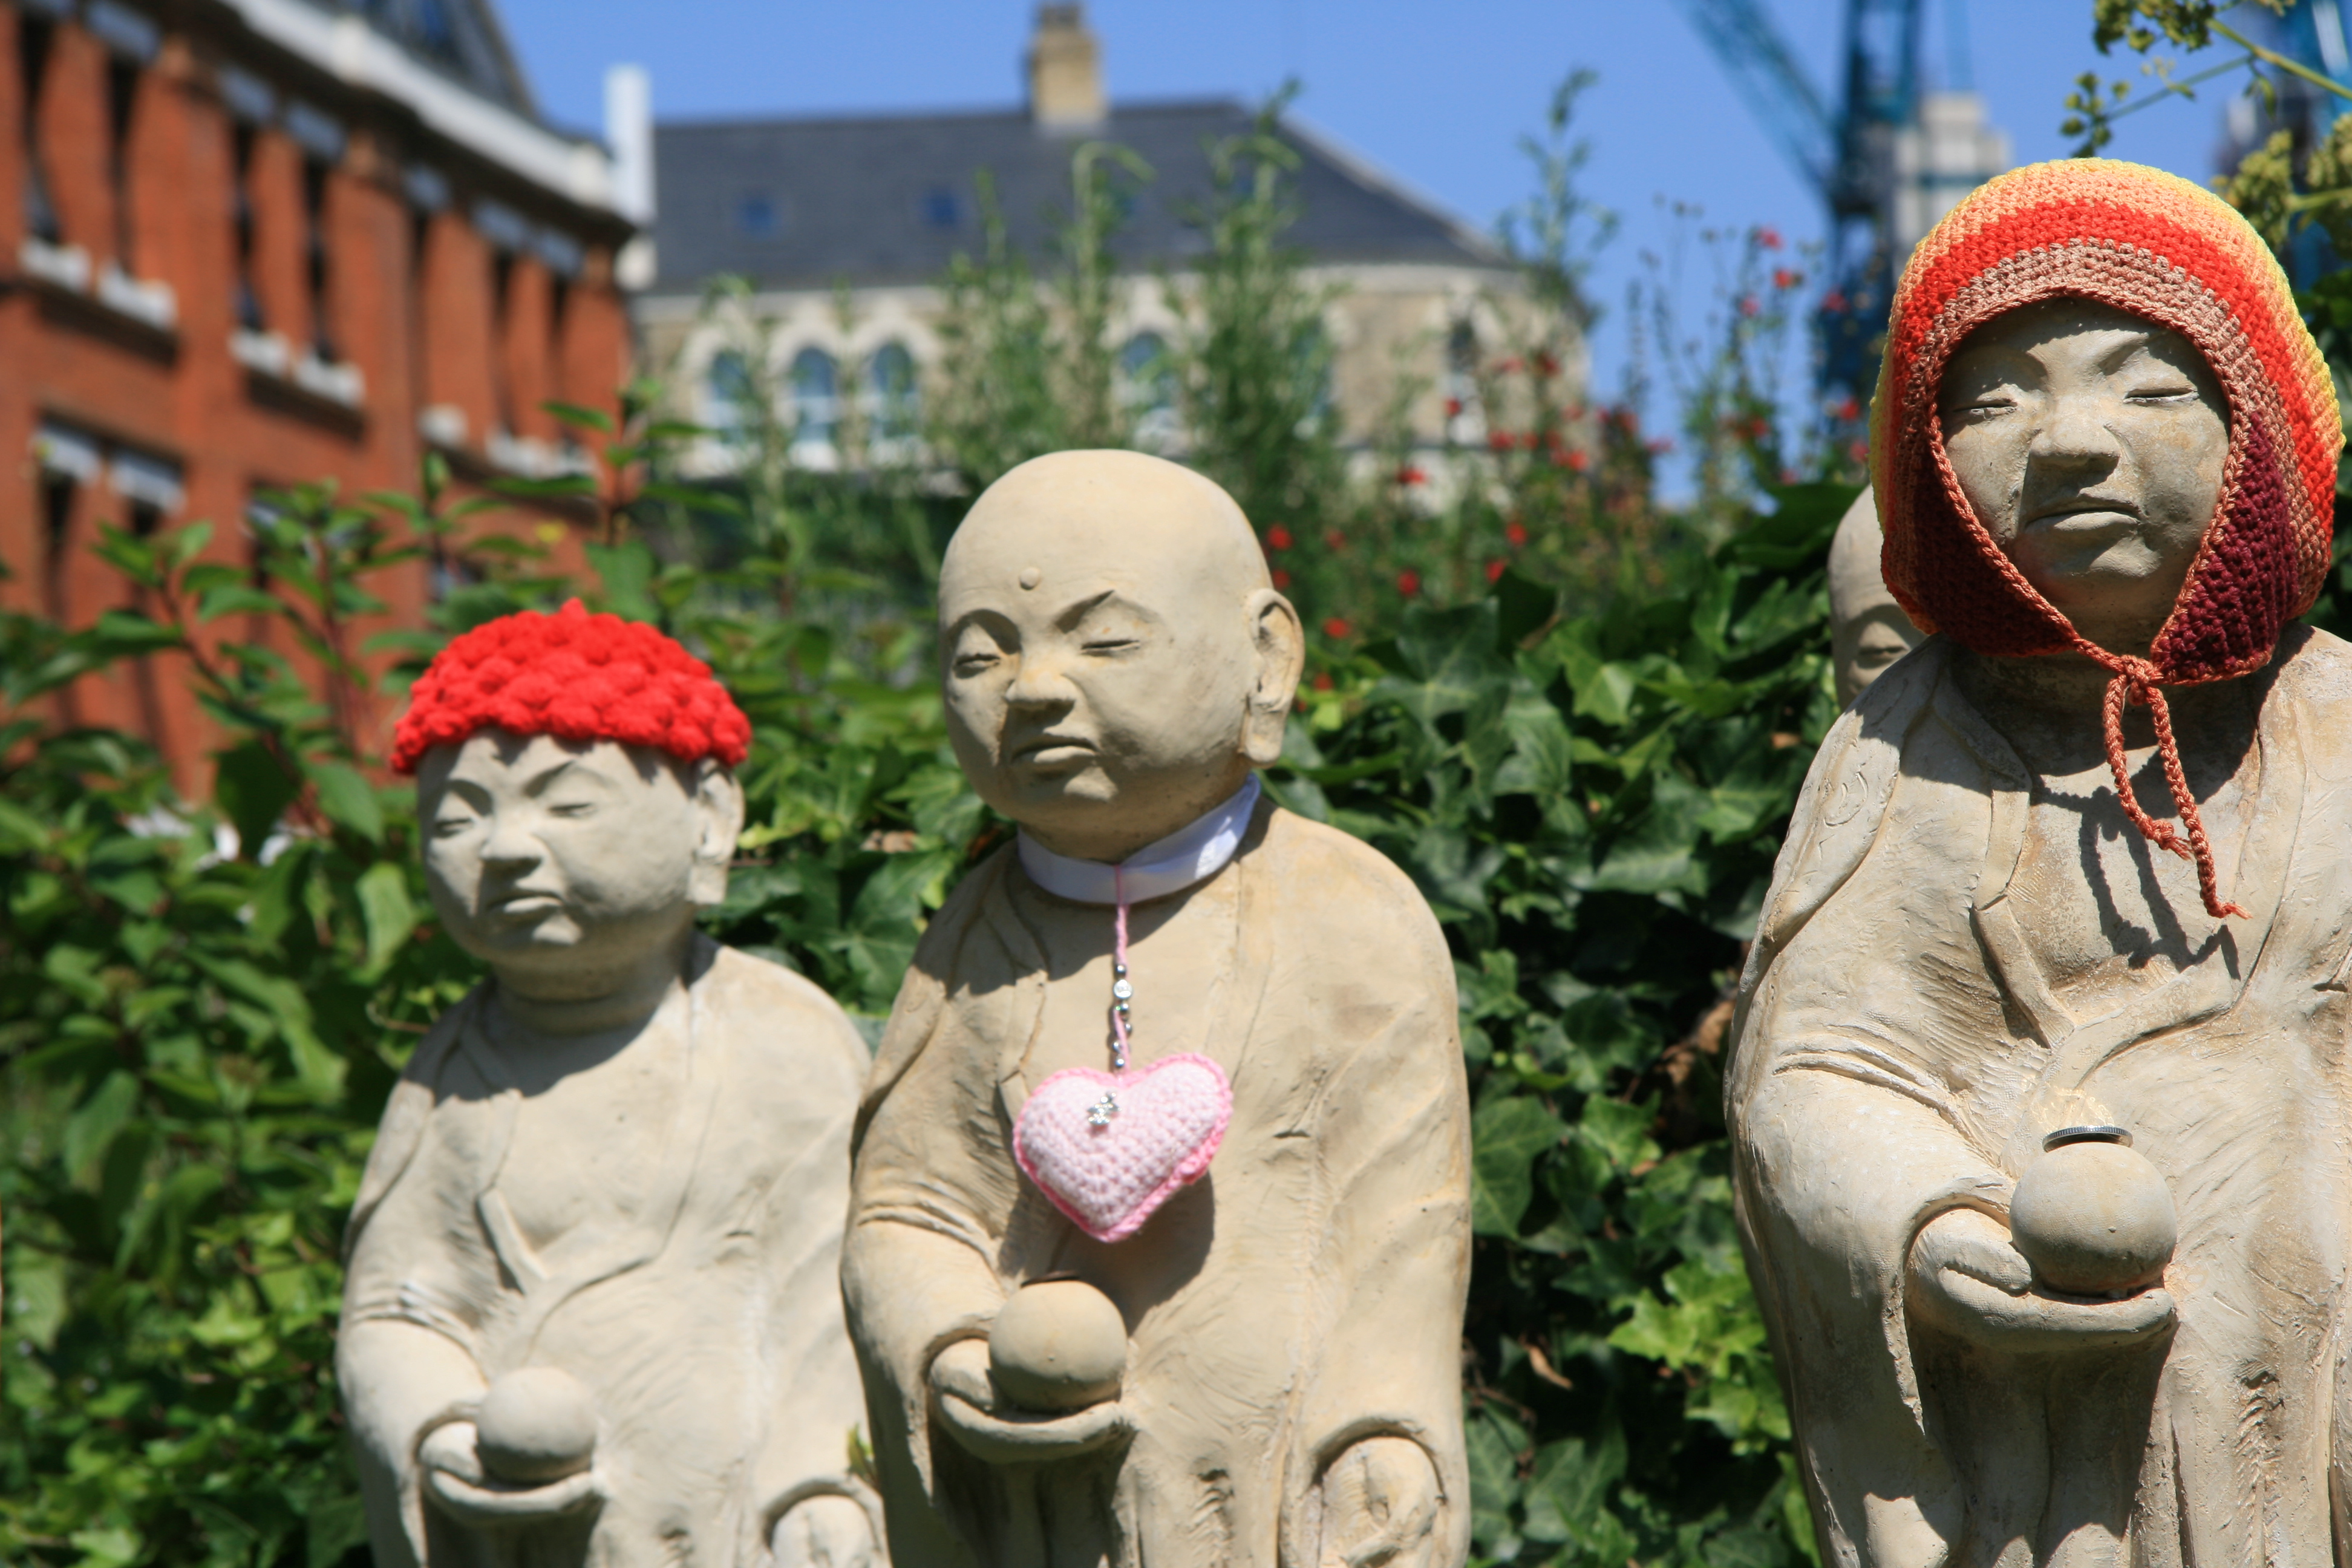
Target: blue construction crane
(1847,156)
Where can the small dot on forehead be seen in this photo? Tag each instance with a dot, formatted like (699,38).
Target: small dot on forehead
(1031,576)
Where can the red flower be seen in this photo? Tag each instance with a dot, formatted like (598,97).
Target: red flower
(1515,531)
(1334,540)
(1547,366)
(1749,305)
(1859,451)
(1770,239)
(1579,461)
(1833,302)
(1408,581)
(1784,278)
(1409,475)
(1500,440)
(1849,411)
(1323,680)
(1528,440)
(1281,579)
(1335,628)
(1453,408)
(1494,571)
(1277,538)
(1506,367)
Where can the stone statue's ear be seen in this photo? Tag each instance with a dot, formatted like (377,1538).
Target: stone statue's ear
(718,813)
(1278,646)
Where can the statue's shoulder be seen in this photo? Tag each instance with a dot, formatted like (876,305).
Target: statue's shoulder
(2316,667)
(779,1013)
(1351,892)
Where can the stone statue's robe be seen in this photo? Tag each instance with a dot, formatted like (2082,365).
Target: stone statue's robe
(1303,1296)
(1901,1050)
(709,1333)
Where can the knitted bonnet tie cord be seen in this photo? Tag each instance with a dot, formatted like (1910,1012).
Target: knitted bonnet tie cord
(2160,247)
(2135,680)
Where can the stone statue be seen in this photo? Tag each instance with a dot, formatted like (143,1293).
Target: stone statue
(1159,1227)
(592,1315)
(1868,630)
(2038,1099)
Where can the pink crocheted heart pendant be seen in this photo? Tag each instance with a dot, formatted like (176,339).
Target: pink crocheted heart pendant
(1109,1148)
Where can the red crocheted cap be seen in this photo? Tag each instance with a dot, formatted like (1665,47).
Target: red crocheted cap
(575,676)
(2160,247)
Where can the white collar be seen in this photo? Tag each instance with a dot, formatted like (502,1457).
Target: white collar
(1185,857)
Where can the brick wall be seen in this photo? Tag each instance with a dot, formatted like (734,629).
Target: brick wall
(409,298)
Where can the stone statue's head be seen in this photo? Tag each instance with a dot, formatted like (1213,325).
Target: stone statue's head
(2090,443)
(544,854)
(2102,429)
(1868,630)
(1114,657)
(575,789)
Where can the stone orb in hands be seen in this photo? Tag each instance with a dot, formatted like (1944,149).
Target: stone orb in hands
(536,1424)
(1057,1345)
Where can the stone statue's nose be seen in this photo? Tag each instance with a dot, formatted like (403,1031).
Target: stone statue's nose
(2076,436)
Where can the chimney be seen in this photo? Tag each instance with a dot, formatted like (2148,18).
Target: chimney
(1065,89)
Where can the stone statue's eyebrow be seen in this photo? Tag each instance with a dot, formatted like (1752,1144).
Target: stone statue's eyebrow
(1075,613)
(545,777)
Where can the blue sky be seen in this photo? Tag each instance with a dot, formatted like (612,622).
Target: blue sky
(1436,93)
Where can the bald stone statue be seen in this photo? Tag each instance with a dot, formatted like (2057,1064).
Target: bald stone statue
(1868,630)
(1249,1352)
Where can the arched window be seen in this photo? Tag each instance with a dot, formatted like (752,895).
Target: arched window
(729,396)
(816,399)
(1146,385)
(1313,359)
(894,406)
(1465,417)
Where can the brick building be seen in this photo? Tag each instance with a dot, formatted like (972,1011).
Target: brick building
(246,244)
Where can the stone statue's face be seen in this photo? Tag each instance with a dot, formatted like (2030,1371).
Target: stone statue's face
(1113,657)
(545,855)
(1864,646)
(2090,443)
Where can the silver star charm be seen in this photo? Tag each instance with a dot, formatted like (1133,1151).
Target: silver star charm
(1099,1113)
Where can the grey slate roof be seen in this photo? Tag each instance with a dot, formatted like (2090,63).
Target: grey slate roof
(805,202)
(462,39)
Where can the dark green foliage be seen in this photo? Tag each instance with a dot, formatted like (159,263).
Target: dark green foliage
(1591,807)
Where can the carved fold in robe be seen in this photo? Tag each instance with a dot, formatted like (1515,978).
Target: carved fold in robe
(710,1335)
(1900,1051)
(1304,1295)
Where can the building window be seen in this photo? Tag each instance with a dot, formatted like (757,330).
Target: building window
(318,272)
(817,401)
(756,216)
(1147,387)
(121,100)
(941,208)
(893,399)
(33,37)
(249,314)
(1466,416)
(730,396)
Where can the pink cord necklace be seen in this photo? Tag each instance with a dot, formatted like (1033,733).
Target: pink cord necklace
(1122,998)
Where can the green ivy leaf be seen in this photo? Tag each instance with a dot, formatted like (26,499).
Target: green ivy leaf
(1507,1137)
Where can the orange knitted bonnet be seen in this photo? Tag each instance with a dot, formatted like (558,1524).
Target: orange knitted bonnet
(2157,247)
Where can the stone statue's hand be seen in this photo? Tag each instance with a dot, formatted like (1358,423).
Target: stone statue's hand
(458,1485)
(828,1531)
(969,1410)
(1379,1506)
(961,1369)
(1968,1278)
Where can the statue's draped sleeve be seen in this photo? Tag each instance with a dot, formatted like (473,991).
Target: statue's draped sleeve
(1848,1131)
